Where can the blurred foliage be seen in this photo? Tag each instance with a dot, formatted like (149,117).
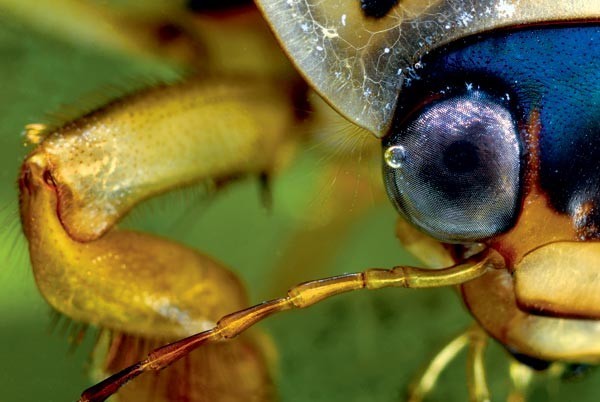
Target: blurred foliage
(358,347)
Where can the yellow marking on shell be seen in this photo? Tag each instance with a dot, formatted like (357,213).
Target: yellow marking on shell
(538,223)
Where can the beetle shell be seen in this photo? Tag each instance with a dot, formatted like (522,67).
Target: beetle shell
(358,63)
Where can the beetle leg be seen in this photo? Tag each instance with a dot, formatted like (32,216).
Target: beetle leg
(146,290)
(476,339)
(301,296)
(428,378)
(88,174)
(476,381)
(521,377)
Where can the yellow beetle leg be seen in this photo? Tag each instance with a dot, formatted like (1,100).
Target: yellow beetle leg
(476,339)
(85,176)
(521,377)
(106,162)
(301,296)
(476,381)
(427,380)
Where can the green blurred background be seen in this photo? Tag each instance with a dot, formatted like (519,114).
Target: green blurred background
(358,347)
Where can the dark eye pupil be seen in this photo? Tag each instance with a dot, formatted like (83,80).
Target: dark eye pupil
(461,157)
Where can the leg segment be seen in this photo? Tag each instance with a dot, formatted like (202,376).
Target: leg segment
(478,389)
(303,295)
(427,380)
(159,139)
(86,175)
(521,376)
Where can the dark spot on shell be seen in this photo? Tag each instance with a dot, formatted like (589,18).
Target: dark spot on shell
(586,218)
(377,8)
(215,5)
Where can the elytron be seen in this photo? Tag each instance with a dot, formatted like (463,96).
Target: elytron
(487,116)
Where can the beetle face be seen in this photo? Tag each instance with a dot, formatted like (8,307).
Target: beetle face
(482,143)
(500,119)
(499,145)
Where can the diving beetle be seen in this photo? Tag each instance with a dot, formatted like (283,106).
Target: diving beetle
(488,114)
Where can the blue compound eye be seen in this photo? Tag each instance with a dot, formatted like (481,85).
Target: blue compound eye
(454,169)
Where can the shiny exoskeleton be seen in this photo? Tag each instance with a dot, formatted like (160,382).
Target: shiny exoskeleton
(500,145)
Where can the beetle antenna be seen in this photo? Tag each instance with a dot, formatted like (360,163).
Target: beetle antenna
(300,296)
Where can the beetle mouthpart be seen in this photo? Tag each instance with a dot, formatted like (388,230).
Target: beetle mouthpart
(561,280)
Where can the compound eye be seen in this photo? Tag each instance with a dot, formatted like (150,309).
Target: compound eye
(454,170)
